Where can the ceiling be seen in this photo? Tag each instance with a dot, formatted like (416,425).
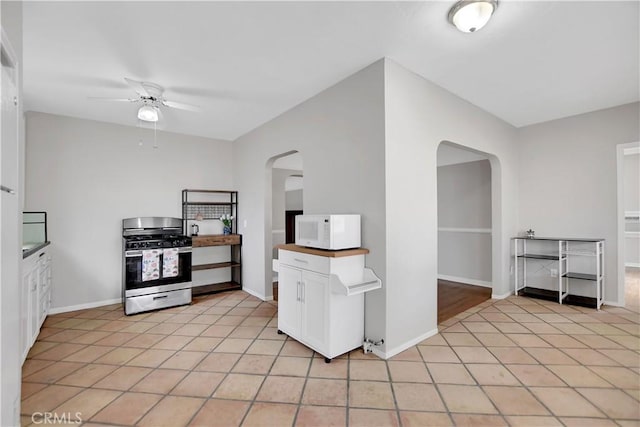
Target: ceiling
(245,63)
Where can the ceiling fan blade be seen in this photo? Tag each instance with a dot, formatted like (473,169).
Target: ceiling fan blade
(138,87)
(113,99)
(181,106)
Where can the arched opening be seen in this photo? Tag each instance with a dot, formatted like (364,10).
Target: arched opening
(283,201)
(468,214)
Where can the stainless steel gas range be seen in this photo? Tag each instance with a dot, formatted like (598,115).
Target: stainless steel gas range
(156,264)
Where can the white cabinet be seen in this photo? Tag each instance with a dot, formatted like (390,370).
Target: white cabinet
(35,297)
(321,297)
(289,306)
(302,294)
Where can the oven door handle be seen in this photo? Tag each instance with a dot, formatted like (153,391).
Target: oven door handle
(134,254)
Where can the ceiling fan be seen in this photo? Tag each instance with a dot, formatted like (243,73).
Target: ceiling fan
(150,96)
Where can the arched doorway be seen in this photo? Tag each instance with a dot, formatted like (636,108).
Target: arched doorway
(468,189)
(285,188)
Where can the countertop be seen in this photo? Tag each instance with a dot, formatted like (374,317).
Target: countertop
(29,249)
(322,252)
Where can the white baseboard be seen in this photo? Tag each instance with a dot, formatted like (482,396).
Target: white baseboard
(502,296)
(612,303)
(632,264)
(465,280)
(402,347)
(56,310)
(257,295)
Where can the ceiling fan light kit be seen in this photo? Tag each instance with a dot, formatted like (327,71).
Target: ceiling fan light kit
(151,97)
(469,16)
(148,113)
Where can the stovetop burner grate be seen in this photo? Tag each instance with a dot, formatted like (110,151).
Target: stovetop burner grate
(157,241)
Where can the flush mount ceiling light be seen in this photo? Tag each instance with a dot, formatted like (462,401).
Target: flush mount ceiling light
(148,113)
(470,15)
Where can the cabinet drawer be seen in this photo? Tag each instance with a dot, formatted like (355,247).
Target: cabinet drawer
(156,301)
(315,263)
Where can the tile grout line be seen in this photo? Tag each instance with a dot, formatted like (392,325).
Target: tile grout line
(437,385)
(168,393)
(304,385)
(143,378)
(393,391)
(527,388)
(348,380)
(458,321)
(251,403)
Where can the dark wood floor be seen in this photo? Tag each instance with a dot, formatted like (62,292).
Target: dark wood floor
(454,298)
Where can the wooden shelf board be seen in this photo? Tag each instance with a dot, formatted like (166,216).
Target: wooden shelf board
(553,296)
(539,293)
(539,256)
(215,287)
(322,252)
(205,240)
(581,276)
(214,266)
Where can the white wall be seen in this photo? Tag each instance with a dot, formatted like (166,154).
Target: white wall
(568,181)
(340,135)
(451,155)
(293,200)
(293,191)
(10,352)
(419,115)
(292,161)
(89,175)
(464,221)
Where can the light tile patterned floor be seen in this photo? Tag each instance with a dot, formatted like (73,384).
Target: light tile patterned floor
(220,362)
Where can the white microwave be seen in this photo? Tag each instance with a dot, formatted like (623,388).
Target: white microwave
(331,232)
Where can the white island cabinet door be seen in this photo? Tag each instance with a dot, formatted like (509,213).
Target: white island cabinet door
(315,292)
(289,283)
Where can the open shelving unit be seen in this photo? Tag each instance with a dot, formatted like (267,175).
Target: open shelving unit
(550,268)
(215,274)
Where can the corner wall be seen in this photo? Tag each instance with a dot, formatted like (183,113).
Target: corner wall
(568,179)
(340,135)
(89,175)
(419,115)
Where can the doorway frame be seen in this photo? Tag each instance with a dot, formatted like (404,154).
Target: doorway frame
(496,218)
(268,222)
(620,153)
